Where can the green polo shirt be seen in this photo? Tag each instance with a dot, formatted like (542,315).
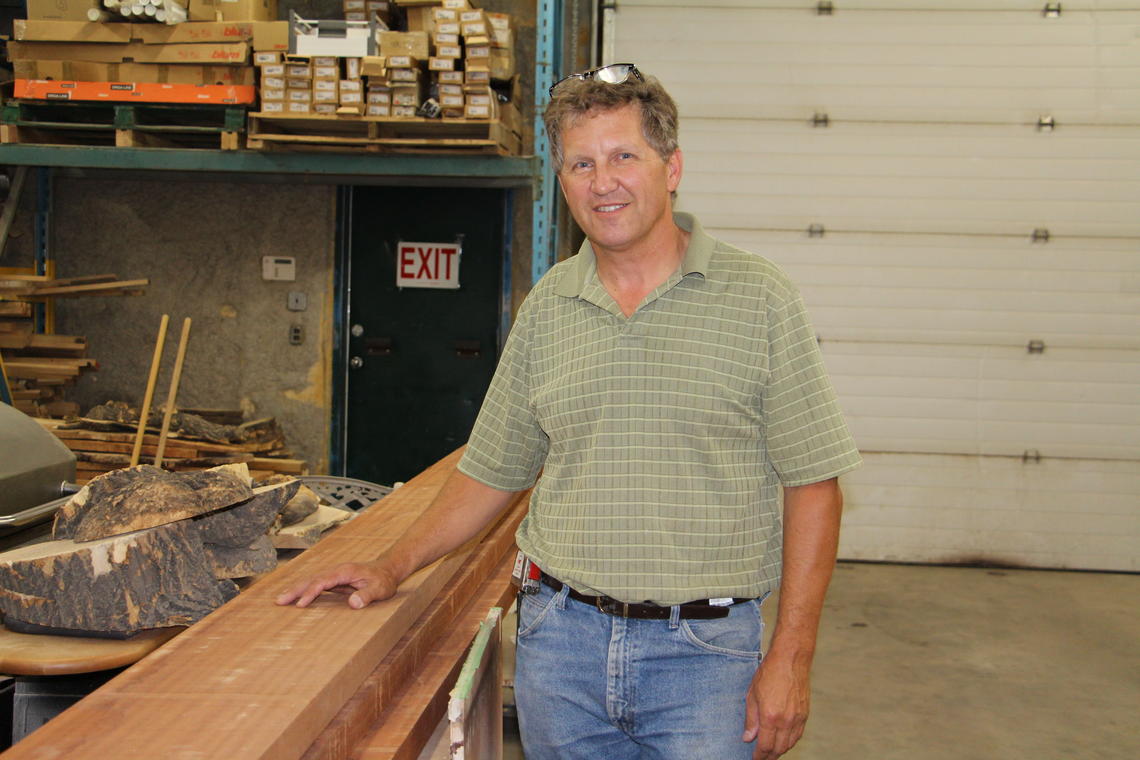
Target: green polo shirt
(663,438)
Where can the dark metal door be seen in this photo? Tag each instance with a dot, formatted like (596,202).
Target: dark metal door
(419,360)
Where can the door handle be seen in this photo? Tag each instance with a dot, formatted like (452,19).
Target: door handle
(468,349)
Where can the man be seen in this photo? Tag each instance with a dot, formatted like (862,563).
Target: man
(669,387)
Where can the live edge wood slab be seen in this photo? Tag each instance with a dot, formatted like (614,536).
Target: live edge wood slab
(257,681)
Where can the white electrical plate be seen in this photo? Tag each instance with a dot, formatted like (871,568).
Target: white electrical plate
(279,268)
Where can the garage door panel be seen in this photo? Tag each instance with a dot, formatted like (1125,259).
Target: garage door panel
(923,189)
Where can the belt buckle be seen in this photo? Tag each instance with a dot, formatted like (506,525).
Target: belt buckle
(610,606)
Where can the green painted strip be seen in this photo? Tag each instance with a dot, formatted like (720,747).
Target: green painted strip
(474,659)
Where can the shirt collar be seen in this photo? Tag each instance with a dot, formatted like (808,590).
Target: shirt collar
(583,267)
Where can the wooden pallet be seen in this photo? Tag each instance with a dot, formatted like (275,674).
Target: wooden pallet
(382,135)
(124,125)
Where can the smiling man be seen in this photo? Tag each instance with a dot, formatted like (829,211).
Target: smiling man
(669,389)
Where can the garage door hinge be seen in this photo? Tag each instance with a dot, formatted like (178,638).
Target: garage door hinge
(1046,123)
(824,8)
(820,120)
(815,230)
(1040,235)
(1051,10)
(1035,347)
(1031,455)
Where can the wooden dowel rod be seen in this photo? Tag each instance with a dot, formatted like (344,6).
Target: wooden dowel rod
(144,411)
(173,392)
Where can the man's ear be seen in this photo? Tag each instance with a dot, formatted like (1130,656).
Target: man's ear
(673,169)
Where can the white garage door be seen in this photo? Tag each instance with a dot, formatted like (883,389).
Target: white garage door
(955,186)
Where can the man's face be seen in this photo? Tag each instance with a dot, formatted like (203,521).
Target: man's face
(616,185)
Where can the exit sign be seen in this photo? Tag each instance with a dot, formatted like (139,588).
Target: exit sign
(427,265)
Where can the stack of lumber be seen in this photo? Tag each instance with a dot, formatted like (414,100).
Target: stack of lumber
(258,681)
(40,367)
(101,446)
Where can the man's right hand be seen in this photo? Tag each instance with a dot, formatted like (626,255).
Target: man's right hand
(363,582)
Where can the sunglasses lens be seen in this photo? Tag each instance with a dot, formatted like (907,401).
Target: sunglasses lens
(613,74)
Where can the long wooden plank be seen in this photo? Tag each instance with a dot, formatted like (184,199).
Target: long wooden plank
(405,727)
(254,681)
(482,575)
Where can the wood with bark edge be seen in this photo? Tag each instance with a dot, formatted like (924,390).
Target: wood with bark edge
(254,680)
(153,578)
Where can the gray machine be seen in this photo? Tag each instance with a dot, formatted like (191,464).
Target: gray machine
(37,471)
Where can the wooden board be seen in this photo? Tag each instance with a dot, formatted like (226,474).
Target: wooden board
(482,583)
(23,654)
(254,680)
(405,728)
(475,707)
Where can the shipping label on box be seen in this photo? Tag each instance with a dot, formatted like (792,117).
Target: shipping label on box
(441,64)
(299,96)
(275,83)
(450,77)
(272,94)
(402,62)
(404,112)
(355,15)
(273,107)
(448,27)
(475,29)
(478,51)
(448,101)
(326,72)
(351,98)
(444,14)
(273,70)
(325,96)
(325,60)
(449,51)
(298,70)
(324,85)
(467,17)
(296,106)
(350,85)
(472,111)
(438,39)
(328,109)
(477,76)
(378,109)
(450,89)
(456,4)
(379,98)
(354,5)
(503,38)
(404,75)
(299,84)
(266,58)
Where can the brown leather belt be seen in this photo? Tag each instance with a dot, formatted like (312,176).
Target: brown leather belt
(700,610)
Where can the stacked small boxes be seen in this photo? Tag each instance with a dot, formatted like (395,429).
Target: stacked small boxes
(366,10)
(318,85)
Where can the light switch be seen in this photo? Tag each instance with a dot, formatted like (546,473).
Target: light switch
(297,301)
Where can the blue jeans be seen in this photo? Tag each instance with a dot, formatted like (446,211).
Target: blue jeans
(598,687)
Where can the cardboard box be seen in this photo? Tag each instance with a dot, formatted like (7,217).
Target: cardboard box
(451,101)
(326,72)
(419,19)
(502,63)
(403,62)
(403,75)
(271,35)
(405,43)
(444,14)
(476,29)
(325,96)
(354,5)
(479,52)
(352,68)
(379,97)
(406,96)
(350,109)
(350,85)
(499,20)
(448,27)
(438,39)
(442,64)
(232,10)
(477,76)
(273,106)
(137,52)
(373,66)
(32,30)
(274,82)
(298,107)
(455,4)
(192,31)
(145,73)
(356,15)
(473,111)
(272,70)
(468,16)
(378,109)
(299,96)
(273,94)
(504,38)
(324,85)
(450,77)
(328,109)
(298,70)
(351,98)
(404,112)
(448,51)
(59,10)
(266,58)
(134,92)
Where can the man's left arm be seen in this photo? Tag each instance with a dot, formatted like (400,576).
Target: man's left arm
(780,694)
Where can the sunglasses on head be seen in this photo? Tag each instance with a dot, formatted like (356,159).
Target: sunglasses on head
(614,73)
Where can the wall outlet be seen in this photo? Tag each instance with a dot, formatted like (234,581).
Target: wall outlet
(296,335)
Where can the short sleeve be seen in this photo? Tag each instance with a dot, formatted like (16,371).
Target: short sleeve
(507,447)
(806,435)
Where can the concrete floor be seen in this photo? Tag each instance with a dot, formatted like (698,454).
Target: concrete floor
(933,663)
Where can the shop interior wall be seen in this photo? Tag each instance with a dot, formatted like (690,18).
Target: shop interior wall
(201,246)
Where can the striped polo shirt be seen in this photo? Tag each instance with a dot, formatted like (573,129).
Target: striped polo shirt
(663,438)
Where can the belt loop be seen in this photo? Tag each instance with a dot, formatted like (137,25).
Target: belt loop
(674,617)
(560,597)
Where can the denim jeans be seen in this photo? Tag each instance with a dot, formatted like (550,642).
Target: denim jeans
(598,687)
